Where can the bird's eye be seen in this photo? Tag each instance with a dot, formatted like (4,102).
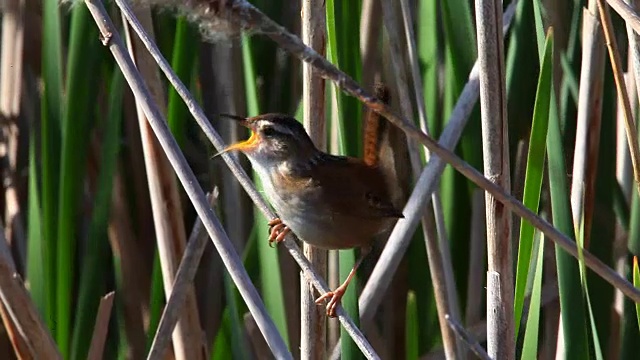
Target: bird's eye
(268,131)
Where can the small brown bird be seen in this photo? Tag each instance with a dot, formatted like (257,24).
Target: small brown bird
(332,202)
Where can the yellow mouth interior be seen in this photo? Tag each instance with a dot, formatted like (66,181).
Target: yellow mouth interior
(248,144)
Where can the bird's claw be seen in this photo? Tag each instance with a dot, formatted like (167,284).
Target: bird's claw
(336,297)
(277,232)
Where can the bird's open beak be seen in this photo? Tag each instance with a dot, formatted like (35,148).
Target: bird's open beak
(248,144)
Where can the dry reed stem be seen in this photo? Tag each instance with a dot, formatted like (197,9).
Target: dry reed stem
(588,119)
(495,149)
(478,329)
(182,285)
(624,163)
(313,320)
(616,65)
(101,327)
(11,62)
(23,318)
(624,172)
(467,338)
(20,344)
(370,30)
(500,336)
(165,201)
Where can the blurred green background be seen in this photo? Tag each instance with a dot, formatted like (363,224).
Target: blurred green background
(77,169)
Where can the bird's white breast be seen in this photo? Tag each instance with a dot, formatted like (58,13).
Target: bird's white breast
(299,211)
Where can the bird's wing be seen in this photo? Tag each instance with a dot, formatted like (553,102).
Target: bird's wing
(353,188)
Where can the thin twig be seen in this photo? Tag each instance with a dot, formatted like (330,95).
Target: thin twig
(628,14)
(112,39)
(101,327)
(467,338)
(616,65)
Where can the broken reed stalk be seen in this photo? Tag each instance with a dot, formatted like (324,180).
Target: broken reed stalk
(182,284)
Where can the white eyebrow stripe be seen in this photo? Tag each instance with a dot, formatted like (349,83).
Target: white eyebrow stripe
(279,128)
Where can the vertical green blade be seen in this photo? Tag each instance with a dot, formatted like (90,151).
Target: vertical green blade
(83,56)
(534,174)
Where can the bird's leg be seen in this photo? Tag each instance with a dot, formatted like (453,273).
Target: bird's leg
(337,294)
(278,231)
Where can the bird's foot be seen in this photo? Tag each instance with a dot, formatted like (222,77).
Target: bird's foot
(277,232)
(336,297)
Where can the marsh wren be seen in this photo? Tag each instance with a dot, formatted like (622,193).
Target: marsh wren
(328,201)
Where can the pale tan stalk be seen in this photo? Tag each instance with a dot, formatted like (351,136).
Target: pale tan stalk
(589,120)
(616,65)
(10,94)
(165,203)
(495,146)
(624,170)
(313,319)
(28,333)
(101,327)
